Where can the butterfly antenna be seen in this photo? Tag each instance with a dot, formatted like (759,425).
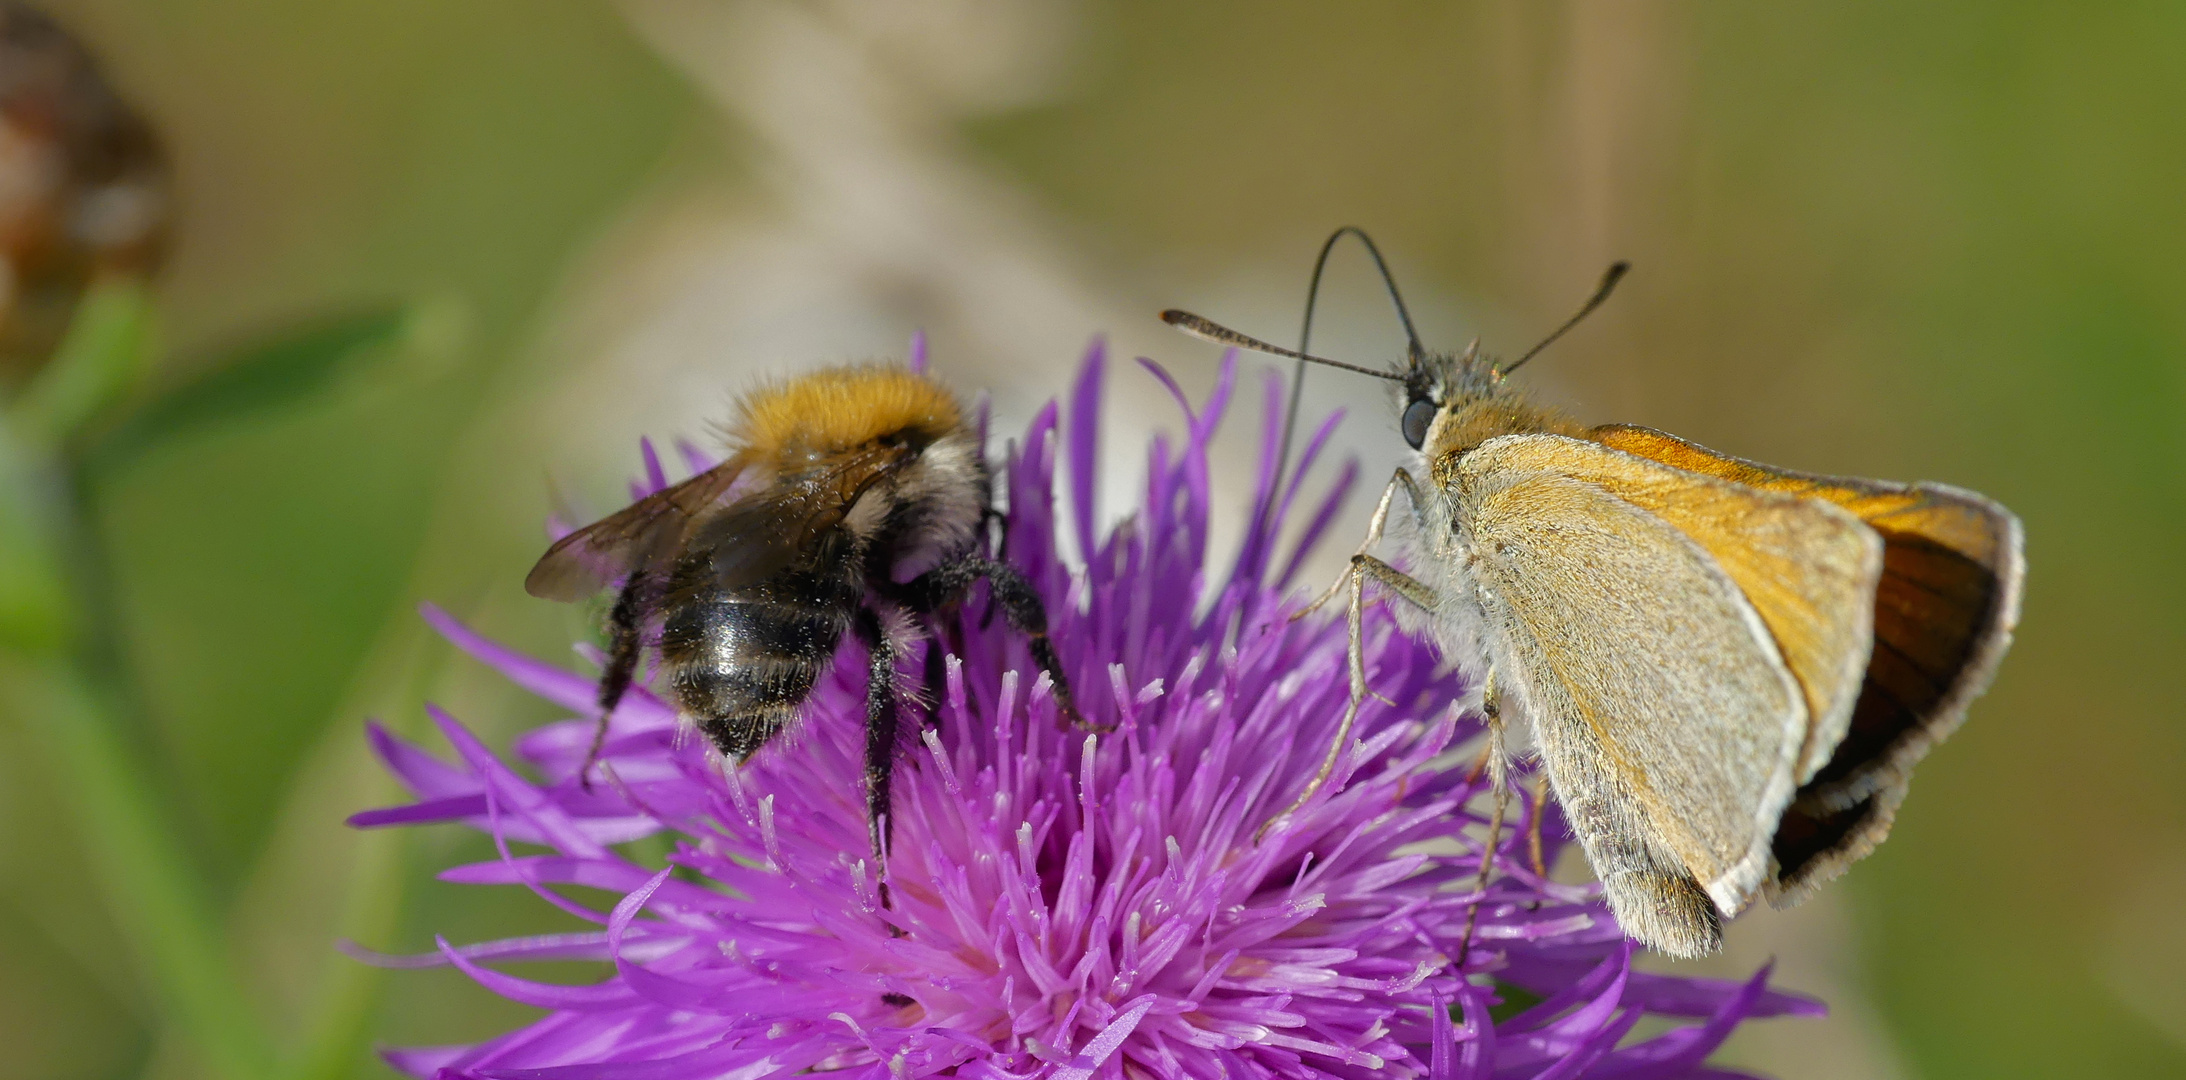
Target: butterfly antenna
(1389,281)
(1610,278)
(1412,348)
(1206,329)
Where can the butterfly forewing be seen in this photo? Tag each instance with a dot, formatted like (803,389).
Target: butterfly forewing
(1808,567)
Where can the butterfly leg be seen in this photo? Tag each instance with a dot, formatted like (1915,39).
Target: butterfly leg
(624,641)
(1364,568)
(1497,761)
(1374,526)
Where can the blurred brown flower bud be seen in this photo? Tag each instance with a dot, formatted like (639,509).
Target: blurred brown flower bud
(84,186)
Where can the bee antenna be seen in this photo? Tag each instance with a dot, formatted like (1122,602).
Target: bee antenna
(1614,274)
(1206,329)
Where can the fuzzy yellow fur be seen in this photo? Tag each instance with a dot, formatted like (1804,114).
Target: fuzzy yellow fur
(841,407)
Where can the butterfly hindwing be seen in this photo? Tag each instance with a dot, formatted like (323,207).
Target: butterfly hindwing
(1666,715)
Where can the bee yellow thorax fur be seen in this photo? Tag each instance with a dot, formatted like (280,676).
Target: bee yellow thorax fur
(841,407)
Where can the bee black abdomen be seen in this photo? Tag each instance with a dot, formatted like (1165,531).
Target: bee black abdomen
(740,667)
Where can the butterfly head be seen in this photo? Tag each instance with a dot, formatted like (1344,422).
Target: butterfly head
(1439,383)
(1453,402)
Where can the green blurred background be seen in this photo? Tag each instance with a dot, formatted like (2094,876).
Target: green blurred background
(1913,241)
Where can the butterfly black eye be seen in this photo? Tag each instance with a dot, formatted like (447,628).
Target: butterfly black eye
(1417,416)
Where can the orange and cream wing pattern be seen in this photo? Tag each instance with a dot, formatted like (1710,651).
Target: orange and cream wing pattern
(1670,719)
(1808,568)
(1944,609)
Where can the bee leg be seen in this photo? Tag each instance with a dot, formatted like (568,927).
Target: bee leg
(936,674)
(1498,762)
(880,738)
(623,646)
(1021,609)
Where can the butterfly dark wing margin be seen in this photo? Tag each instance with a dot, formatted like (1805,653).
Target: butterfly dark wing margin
(1953,564)
(643,535)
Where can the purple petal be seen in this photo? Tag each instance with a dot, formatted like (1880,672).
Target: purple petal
(1442,1065)
(605,995)
(453,808)
(1085,443)
(564,688)
(585,946)
(1687,996)
(525,800)
(422,1061)
(1169,381)
(694,459)
(656,478)
(1104,1045)
(422,773)
(1679,1052)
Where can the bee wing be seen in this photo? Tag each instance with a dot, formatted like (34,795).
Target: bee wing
(1945,606)
(640,535)
(786,523)
(1668,716)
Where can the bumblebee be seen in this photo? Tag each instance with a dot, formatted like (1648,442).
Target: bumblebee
(852,500)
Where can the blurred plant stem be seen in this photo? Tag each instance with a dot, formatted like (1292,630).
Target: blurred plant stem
(73,694)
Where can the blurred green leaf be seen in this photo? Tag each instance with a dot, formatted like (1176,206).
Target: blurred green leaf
(259,378)
(97,364)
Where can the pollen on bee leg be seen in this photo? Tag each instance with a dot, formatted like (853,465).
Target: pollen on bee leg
(901,631)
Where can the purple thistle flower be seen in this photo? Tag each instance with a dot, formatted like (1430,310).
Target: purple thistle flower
(1064,905)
